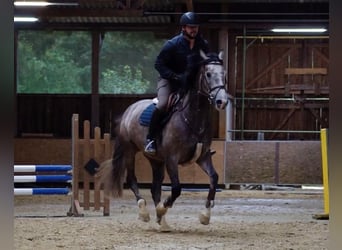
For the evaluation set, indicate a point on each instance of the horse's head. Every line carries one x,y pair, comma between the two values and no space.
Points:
212,80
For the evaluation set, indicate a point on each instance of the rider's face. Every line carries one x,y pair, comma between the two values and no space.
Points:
191,31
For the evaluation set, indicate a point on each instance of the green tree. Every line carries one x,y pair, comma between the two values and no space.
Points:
60,62
54,62
127,62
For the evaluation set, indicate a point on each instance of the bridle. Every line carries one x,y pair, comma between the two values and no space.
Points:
204,89
204,86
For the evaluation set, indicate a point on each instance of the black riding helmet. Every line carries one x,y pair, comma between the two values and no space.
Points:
189,18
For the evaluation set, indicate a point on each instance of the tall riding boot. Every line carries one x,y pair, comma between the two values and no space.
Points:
155,123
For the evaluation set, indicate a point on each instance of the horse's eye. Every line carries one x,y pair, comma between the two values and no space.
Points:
208,74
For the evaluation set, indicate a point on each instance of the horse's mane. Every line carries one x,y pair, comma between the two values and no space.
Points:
196,61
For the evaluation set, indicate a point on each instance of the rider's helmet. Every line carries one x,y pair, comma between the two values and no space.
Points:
189,18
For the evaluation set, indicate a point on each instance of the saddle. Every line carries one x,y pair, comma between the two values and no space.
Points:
146,115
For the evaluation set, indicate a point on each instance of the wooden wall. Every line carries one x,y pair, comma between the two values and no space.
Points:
276,162
283,65
50,115
285,86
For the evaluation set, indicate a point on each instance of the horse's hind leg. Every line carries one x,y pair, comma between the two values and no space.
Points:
158,170
162,207
131,180
207,166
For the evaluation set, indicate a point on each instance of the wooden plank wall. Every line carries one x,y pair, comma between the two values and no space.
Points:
49,115
273,162
191,174
275,68
299,162
267,61
295,69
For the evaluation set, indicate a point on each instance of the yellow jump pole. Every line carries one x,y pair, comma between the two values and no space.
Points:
324,150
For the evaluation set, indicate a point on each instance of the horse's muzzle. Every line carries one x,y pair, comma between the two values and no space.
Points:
220,104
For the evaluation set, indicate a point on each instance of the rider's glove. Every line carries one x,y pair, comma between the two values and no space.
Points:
181,78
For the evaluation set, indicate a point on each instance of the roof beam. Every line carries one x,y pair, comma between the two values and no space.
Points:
189,5
76,12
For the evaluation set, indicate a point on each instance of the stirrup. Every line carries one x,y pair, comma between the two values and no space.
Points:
150,147
212,151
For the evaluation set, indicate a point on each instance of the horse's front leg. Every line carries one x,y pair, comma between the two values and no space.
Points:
206,164
162,207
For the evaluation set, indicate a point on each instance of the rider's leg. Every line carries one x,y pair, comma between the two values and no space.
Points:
158,114
156,119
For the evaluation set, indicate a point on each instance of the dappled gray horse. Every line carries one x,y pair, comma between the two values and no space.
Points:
185,139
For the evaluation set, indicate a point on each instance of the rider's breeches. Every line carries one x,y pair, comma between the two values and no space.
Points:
163,93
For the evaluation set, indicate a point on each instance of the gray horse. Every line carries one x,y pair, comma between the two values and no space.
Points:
186,138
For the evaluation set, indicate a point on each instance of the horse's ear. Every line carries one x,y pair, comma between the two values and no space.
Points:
203,55
220,55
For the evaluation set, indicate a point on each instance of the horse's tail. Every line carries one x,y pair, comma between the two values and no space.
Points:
112,172
116,125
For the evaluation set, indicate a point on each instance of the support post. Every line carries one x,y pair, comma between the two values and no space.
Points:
75,208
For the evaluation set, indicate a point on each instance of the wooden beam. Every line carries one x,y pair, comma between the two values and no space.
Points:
261,105
321,121
292,88
321,55
306,71
272,105
291,112
95,99
77,12
189,5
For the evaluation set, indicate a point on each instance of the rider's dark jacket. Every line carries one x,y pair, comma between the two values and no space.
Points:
173,57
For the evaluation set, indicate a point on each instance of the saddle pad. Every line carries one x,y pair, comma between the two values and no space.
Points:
146,115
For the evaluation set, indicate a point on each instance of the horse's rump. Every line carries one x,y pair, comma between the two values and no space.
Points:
129,128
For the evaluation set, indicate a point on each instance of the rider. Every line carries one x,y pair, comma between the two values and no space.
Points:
171,63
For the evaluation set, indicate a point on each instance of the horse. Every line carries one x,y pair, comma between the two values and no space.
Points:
185,139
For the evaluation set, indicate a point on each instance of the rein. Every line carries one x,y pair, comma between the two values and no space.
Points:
203,89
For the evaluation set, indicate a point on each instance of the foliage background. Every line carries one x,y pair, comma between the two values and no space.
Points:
60,62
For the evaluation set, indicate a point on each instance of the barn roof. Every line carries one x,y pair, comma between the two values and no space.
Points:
87,13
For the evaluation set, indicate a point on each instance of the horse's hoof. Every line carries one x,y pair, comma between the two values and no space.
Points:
161,210
204,219
164,227
144,215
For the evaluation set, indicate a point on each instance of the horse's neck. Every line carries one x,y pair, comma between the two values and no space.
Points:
196,111
198,102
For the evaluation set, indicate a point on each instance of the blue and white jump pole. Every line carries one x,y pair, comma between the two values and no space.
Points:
41,168
65,176
41,191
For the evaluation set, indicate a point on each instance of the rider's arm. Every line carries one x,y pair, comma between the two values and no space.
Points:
165,58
